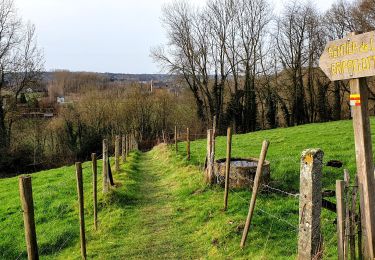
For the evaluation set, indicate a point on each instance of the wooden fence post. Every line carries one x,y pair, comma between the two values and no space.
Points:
188,143
117,153
95,188
214,126
127,145
123,149
131,142
81,209
258,174
352,215
175,138
227,166
27,203
347,198
213,140
365,165
209,162
310,204
105,166
340,209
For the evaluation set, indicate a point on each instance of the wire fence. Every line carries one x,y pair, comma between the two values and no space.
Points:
55,211
58,228
288,220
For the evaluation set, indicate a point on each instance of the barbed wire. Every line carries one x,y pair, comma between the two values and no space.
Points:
269,214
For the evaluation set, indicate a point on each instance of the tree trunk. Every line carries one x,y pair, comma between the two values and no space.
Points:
249,111
3,132
336,109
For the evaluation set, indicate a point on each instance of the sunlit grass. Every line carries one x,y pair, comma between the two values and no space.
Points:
161,209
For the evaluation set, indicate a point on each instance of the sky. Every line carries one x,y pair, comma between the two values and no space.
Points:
103,35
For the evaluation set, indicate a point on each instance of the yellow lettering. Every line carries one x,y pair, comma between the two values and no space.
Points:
350,66
333,69
330,51
366,63
339,68
364,47
372,45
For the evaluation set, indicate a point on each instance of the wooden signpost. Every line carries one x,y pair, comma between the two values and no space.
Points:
354,58
349,58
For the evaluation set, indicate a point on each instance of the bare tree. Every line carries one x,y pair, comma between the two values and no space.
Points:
293,46
208,45
21,63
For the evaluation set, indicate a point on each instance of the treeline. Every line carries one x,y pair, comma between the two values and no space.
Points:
253,69
93,109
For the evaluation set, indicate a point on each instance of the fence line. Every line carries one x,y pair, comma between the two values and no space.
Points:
55,214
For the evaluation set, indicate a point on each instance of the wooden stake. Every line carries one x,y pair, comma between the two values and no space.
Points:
163,134
214,126
213,140
127,145
365,166
27,203
347,213
130,143
209,162
352,216
81,209
123,149
175,138
340,202
258,175
188,143
117,153
105,167
227,167
95,188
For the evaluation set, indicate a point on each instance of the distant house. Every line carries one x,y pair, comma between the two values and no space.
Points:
60,100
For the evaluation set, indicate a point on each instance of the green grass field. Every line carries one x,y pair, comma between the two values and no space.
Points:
161,209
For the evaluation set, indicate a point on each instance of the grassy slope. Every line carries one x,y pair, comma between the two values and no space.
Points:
161,209
56,211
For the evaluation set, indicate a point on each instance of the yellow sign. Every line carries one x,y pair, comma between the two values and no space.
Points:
351,57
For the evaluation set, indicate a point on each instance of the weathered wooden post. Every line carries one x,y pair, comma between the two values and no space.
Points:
117,153
209,167
342,60
310,204
163,134
123,149
227,166
127,145
130,143
340,209
105,167
95,188
81,209
175,138
258,175
27,203
365,166
213,139
347,198
352,214
188,143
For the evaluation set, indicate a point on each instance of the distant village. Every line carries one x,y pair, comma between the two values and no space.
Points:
44,100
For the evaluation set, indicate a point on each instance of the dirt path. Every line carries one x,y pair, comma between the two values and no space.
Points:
155,225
